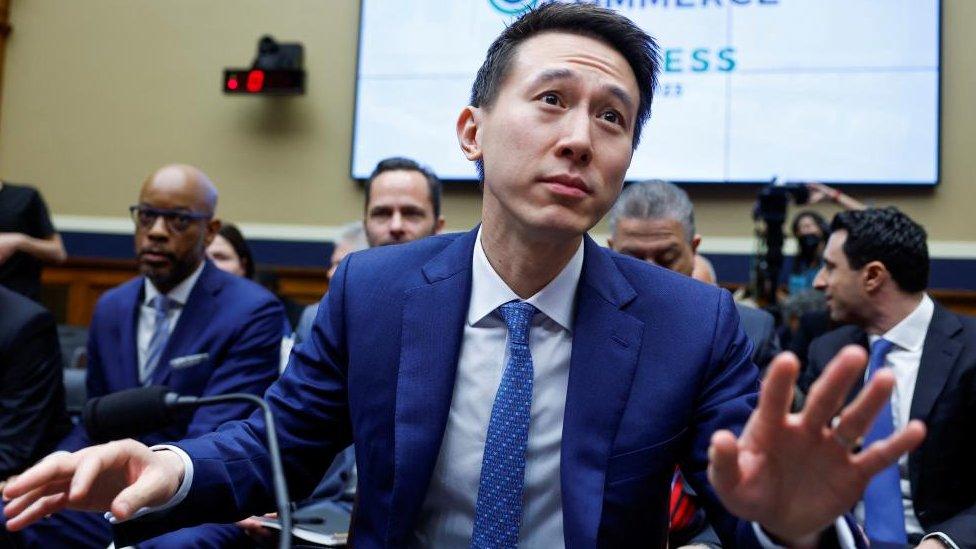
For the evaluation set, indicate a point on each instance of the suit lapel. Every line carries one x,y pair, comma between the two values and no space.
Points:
197,313
939,354
606,346
432,330
128,336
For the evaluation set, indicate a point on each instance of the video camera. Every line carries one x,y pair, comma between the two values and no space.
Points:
771,205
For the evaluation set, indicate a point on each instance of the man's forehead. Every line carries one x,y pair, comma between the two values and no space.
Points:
545,52
400,185
664,227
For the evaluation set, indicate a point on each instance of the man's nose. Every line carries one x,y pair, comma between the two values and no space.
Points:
577,143
820,281
396,223
158,229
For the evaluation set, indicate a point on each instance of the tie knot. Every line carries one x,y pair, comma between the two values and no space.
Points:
162,304
879,350
518,315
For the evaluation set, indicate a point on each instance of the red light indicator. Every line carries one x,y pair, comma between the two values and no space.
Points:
232,83
255,81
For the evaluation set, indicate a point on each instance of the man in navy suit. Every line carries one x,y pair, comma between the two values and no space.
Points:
519,384
876,267
184,324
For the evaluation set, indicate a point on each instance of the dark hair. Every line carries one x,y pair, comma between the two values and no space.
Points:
236,240
607,26
400,163
816,217
888,236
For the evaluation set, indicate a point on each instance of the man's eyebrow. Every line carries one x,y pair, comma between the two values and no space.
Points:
566,74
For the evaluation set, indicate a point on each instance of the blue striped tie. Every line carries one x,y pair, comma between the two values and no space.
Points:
884,514
498,511
161,306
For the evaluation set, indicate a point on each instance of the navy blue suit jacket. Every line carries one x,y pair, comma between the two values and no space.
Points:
227,340
658,364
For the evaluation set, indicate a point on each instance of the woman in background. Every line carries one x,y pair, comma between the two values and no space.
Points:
230,252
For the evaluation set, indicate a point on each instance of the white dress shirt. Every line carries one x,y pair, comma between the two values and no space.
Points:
447,514
147,314
904,358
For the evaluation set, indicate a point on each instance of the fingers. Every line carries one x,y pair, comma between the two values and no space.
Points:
85,475
723,458
17,505
855,419
883,453
150,489
54,467
828,393
776,394
37,510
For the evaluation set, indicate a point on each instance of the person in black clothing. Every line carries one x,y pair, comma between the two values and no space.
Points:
27,239
32,414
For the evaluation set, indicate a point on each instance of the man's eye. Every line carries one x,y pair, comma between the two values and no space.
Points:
613,117
550,99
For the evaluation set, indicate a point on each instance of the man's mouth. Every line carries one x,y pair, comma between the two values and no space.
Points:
155,256
567,185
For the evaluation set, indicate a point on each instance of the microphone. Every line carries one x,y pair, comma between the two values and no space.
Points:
134,412
129,413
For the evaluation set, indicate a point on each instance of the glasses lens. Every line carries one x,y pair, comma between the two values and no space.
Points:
178,222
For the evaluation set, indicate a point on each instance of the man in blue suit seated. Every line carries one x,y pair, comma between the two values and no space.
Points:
519,384
183,323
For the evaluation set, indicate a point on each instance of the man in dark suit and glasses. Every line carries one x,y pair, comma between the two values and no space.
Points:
518,384
876,267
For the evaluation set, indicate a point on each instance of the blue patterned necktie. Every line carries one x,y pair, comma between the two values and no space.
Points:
498,511
884,515
161,306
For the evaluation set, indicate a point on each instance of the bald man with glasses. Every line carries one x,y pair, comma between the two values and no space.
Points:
183,323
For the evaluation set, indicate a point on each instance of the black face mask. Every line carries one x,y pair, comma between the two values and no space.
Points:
808,245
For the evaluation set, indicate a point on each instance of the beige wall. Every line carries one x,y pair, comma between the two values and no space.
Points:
98,93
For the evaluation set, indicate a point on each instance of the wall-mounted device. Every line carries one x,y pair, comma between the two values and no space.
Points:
278,69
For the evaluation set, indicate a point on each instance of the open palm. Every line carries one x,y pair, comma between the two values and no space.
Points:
795,473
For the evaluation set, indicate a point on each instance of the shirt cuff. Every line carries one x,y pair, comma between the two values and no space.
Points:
946,540
180,494
845,537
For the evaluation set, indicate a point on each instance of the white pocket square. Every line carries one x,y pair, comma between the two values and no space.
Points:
188,360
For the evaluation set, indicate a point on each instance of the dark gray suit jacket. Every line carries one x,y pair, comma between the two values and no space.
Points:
760,327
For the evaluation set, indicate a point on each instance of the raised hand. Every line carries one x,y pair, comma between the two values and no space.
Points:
795,474
121,477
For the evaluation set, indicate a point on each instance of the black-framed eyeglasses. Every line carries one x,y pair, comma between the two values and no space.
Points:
176,221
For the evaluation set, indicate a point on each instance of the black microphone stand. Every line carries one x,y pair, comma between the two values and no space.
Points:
277,471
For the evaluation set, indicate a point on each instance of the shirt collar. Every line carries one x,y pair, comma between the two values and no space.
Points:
180,293
556,300
909,334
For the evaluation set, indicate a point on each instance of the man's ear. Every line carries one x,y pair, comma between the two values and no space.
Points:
874,275
213,227
695,242
439,225
468,124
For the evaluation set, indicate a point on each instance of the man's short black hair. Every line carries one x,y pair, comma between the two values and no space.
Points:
401,163
607,26
888,236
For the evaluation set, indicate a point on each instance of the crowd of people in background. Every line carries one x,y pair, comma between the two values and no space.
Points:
196,321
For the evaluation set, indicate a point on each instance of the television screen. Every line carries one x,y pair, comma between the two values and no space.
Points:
840,91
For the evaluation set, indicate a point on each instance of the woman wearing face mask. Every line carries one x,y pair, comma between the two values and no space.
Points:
810,230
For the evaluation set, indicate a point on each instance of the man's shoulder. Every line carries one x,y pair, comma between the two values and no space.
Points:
232,289
19,311
829,343
398,262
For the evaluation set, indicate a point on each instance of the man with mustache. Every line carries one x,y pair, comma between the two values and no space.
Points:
183,323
